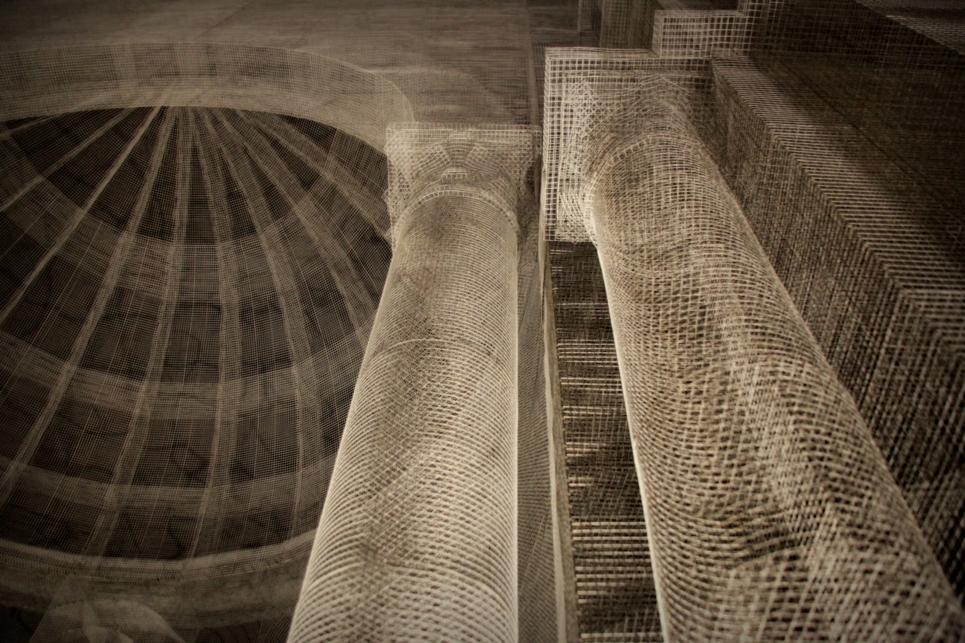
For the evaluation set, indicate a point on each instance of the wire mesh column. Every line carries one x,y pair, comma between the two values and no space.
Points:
417,540
771,511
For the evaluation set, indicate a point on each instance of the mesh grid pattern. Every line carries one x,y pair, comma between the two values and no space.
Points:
901,89
185,290
48,82
751,454
186,297
564,68
859,253
614,588
686,33
622,23
418,534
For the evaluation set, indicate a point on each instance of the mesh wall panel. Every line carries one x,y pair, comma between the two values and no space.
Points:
691,33
872,261
900,88
770,509
894,73
938,20
613,579
622,24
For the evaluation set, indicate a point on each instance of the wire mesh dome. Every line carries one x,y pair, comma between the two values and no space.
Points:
185,296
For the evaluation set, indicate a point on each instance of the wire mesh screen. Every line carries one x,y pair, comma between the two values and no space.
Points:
428,440
869,258
565,73
187,293
771,511
851,112
419,533
48,82
829,139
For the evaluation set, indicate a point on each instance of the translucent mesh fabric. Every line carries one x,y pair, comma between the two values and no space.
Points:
582,83
771,511
851,111
861,242
613,589
613,585
418,531
674,28
622,23
41,82
899,87
872,262
938,20
186,296
214,489
418,536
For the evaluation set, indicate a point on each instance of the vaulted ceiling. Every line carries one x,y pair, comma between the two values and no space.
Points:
186,295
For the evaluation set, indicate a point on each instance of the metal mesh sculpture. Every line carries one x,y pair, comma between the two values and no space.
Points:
869,243
614,598
418,535
187,295
188,290
770,508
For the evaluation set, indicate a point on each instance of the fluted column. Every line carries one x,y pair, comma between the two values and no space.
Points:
417,539
771,511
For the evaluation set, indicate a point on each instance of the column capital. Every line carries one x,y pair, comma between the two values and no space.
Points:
426,161
596,102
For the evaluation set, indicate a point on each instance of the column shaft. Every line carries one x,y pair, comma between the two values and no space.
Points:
417,539
771,511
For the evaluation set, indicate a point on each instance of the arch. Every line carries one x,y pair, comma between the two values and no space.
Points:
266,79
49,82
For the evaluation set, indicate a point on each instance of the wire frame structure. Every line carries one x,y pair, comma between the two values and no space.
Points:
418,535
871,262
769,507
48,82
255,166
187,295
190,267
847,119
613,592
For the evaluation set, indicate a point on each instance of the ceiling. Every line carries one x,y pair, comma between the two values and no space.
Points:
186,295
